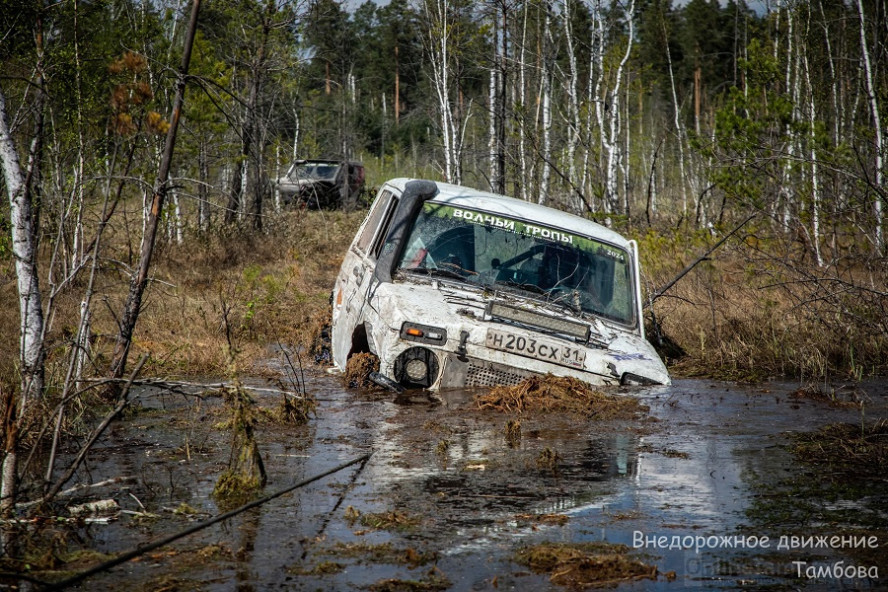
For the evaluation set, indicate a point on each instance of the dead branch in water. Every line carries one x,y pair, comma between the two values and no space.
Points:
122,401
124,557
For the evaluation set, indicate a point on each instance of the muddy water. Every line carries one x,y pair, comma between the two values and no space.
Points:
709,462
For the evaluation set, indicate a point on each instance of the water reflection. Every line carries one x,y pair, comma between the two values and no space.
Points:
711,462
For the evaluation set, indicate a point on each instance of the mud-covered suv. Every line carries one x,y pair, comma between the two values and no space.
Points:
321,184
453,287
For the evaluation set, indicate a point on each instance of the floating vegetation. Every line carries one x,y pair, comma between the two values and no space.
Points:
547,460
320,569
513,433
550,519
358,370
545,394
296,409
394,520
438,427
584,565
433,581
844,451
351,515
834,397
442,448
672,453
383,553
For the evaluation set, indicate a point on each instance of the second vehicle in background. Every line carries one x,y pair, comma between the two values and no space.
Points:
321,184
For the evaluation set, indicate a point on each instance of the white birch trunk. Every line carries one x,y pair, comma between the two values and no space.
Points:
24,243
837,122
612,142
522,96
546,104
815,173
491,143
573,105
178,224
792,82
679,128
877,121
438,12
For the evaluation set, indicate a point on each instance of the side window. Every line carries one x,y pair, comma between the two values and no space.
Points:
380,207
379,241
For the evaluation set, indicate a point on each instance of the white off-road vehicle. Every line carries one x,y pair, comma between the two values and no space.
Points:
454,287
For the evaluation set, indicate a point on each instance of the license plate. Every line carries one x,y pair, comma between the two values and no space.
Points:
538,349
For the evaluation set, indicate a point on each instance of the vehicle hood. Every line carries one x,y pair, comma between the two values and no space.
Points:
448,306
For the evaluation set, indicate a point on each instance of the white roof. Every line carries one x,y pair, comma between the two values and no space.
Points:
469,198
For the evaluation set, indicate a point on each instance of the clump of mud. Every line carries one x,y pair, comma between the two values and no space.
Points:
585,565
846,451
359,368
543,394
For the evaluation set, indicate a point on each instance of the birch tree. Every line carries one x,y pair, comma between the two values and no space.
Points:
877,122
24,251
441,43
612,138
573,117
544,99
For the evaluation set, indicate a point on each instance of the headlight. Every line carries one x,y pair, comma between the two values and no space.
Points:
423,333
416,367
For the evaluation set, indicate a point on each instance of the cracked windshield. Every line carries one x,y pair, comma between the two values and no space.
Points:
557,266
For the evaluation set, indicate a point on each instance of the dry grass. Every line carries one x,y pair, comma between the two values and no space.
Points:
546,394
394,520
233,291
757,310
358,370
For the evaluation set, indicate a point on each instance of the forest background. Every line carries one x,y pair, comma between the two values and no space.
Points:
676,125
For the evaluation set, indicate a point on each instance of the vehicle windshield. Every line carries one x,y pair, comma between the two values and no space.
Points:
314,170
577,272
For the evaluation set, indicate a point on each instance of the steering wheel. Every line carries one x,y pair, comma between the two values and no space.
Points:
576,298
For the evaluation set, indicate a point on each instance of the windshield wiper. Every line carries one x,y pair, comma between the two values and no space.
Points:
533,288
437,272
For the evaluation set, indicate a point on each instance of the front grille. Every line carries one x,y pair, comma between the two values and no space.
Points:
500,311
489,376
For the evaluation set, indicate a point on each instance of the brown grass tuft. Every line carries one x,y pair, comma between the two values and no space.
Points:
583,565
544,394
358,369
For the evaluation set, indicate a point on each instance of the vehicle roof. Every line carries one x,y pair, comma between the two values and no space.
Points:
326,161
469,198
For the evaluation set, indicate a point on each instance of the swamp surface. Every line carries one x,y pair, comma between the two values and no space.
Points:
457,498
